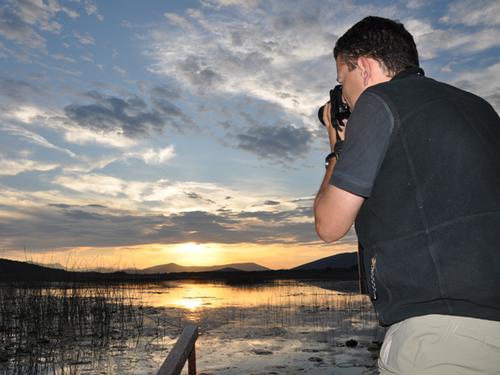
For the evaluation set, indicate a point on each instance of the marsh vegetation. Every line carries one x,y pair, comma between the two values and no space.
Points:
61,328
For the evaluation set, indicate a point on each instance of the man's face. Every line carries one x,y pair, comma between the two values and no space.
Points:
351,81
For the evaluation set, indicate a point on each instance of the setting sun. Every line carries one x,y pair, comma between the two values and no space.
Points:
191,248
194,254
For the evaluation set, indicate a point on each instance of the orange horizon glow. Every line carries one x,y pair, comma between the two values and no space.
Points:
184,254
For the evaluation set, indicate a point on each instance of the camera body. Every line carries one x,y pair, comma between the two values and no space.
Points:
339,110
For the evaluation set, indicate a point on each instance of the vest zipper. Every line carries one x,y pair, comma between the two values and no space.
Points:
372,277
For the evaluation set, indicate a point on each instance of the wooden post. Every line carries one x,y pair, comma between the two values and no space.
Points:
192,362
183,350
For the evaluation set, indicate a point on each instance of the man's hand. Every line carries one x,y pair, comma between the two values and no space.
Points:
327,120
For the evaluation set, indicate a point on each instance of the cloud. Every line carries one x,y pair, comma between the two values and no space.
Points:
40,13
245,53
199,73
129,117
13,27
119,70
177,20
95,209
25,113
34,138
225,3
91,9
12,167
165,92
83,136
417,4
271,203
93,184
62,57
22,21
451,41
154,156
229,52
163,196
483,82
473,13
279,142
85,39
18,91
166,107
63,225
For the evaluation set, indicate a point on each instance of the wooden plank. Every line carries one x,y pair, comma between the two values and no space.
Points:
192,362
182,350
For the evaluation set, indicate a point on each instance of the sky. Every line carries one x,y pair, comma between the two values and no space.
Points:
140,133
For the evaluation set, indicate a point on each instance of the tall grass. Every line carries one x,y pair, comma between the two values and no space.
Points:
47,328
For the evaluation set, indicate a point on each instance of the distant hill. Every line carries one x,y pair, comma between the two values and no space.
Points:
11,269
58,266
173,267
14,271
344,260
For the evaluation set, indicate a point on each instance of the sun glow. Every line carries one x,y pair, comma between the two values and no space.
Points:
190,303
191,248
194,254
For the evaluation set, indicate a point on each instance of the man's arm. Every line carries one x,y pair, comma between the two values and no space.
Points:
334,209
340,198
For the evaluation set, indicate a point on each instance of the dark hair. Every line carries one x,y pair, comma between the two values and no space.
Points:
382,39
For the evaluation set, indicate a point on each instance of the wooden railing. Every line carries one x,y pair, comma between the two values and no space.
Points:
183,350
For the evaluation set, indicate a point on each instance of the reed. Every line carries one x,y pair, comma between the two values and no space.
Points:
52,328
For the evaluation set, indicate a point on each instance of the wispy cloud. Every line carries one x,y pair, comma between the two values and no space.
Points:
84,39
23,21
91,9
34,138
473,13
484,82
84,136
452,41
14,28
154,156
12,167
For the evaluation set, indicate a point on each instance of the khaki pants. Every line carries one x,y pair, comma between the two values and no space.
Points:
441,345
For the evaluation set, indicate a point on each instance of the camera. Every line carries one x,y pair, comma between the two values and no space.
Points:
338,110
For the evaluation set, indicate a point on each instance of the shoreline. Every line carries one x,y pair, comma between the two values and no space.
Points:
20,272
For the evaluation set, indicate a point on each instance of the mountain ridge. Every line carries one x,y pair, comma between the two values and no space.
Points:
174,267
343,260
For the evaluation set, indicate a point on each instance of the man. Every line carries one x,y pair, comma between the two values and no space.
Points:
419,174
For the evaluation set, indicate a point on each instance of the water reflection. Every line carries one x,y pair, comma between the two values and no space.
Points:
139,323
195,295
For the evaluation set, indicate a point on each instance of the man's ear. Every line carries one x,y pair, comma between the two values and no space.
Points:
365,68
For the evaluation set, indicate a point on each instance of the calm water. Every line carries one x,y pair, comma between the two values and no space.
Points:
301,326
192,295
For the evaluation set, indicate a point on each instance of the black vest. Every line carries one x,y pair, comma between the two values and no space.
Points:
430,231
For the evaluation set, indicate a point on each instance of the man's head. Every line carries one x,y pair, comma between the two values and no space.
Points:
382,39
372,51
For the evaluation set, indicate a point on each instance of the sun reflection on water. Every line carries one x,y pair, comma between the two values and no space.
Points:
189,303
194,296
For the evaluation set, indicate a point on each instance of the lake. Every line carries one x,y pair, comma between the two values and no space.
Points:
279,327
